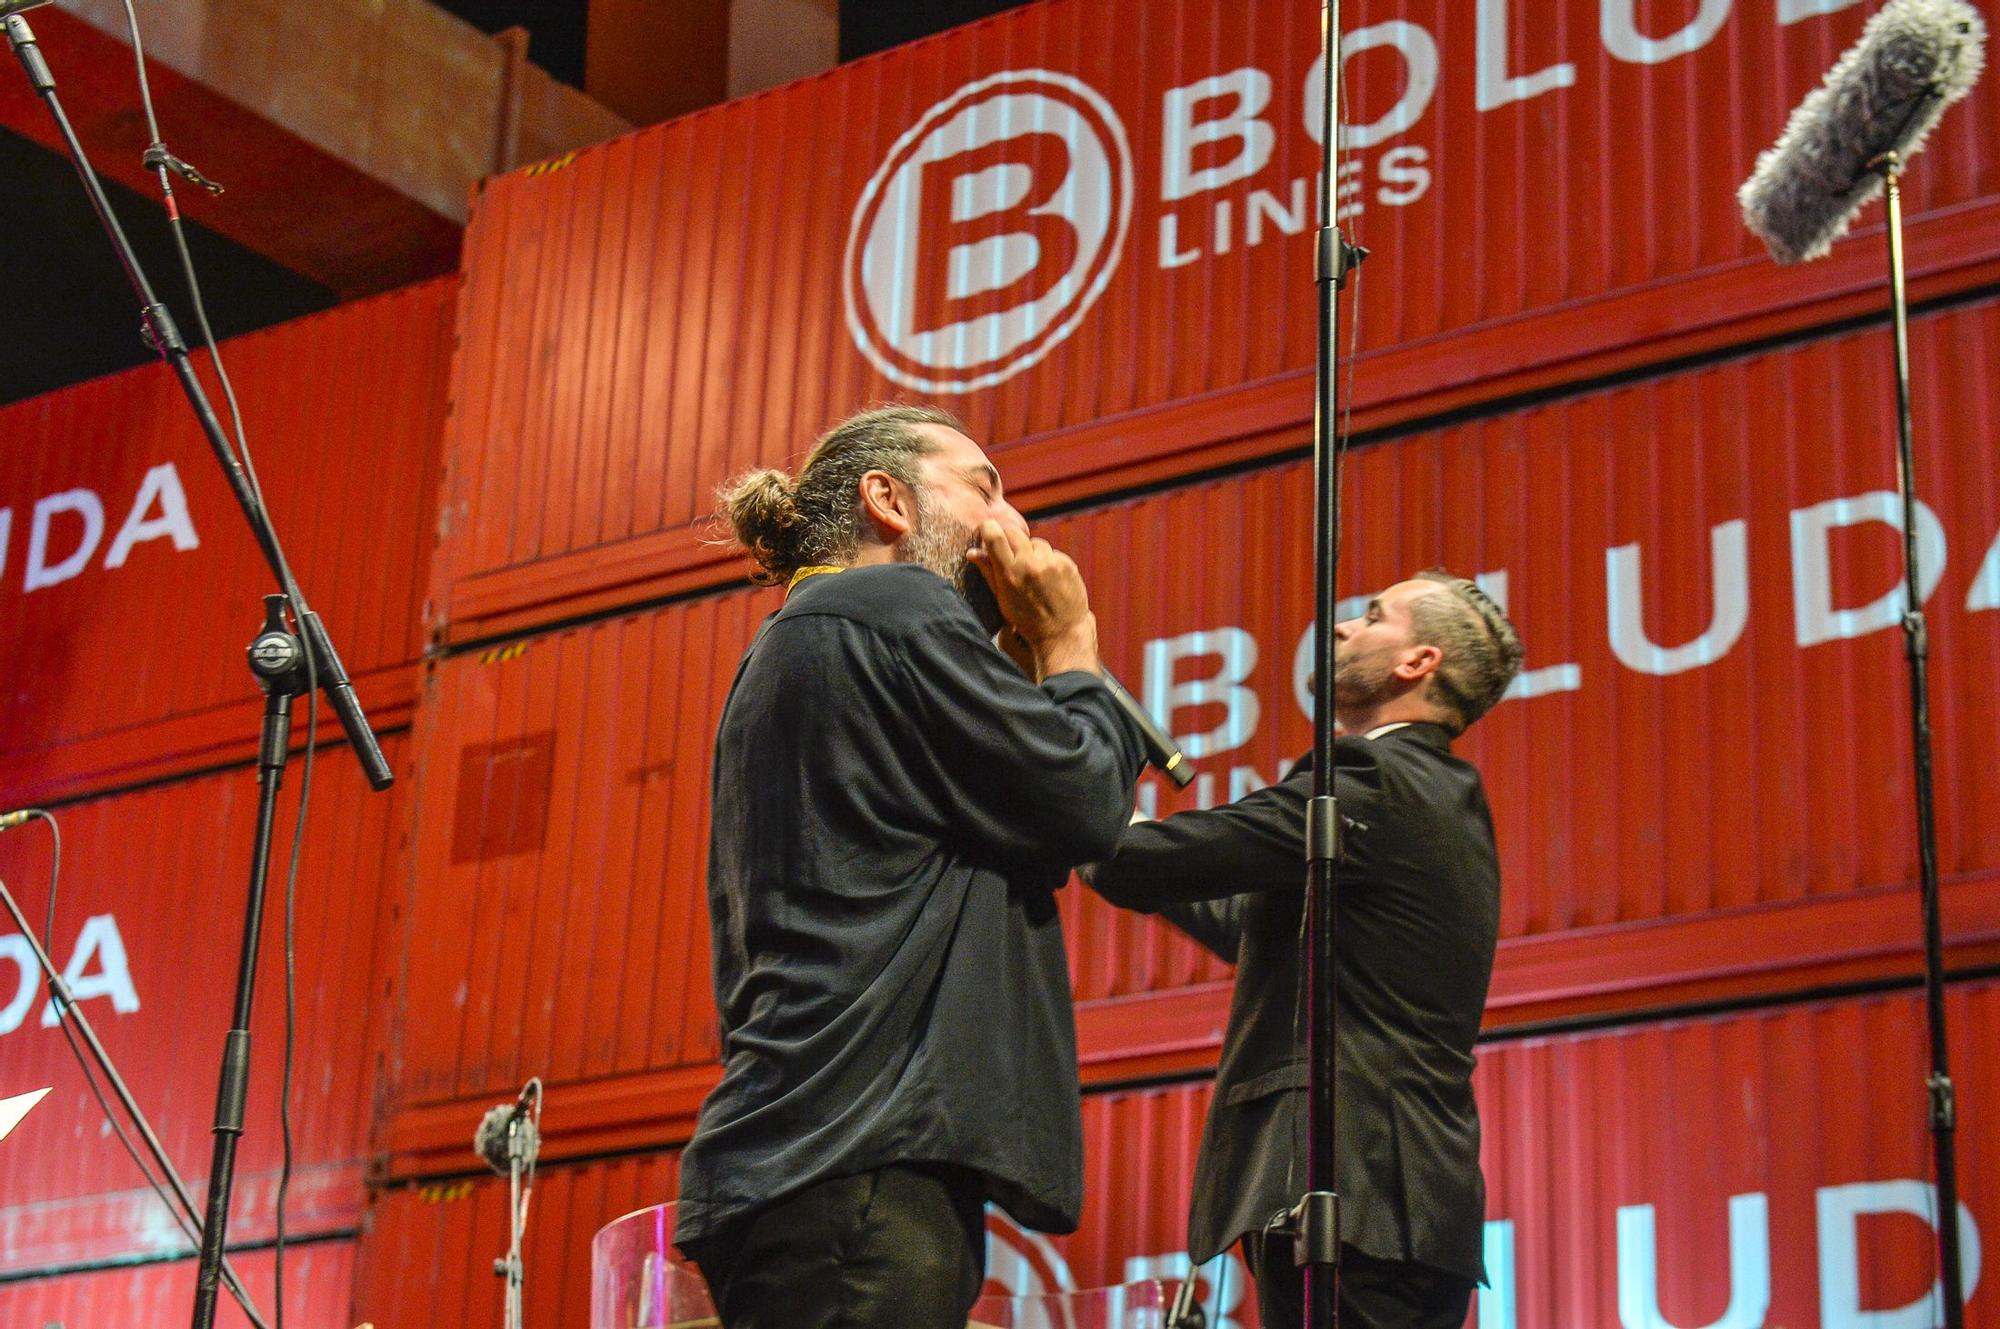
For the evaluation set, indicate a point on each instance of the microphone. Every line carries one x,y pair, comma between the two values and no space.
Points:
1914,59
1160,749
507,1137
9,820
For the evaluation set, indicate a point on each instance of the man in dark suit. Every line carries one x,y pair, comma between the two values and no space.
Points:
1419,884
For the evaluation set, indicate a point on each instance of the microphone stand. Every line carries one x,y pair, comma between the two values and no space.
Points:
1315,1222
67,1009
1916,640
281,661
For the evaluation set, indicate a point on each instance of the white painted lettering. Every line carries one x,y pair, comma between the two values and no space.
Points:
1749,1266
1496,1299
162,485
98,941
1985,592
85,504
1496,86
1729,573
1812,578
1171,253
1794,11
1264,206
1249,92
1236,654
1405,174
14,946
1224,210
1840,1256
1618,23
1420,60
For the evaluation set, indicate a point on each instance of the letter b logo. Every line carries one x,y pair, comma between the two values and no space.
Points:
993,226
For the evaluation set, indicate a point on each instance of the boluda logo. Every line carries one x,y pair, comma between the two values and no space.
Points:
989,232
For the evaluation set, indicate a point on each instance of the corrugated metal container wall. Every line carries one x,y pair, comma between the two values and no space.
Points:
1681,790
147,928
319,1288
129,578
1678,1168
443,1239
1072,213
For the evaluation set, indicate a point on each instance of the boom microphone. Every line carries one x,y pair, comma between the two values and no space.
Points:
1914,59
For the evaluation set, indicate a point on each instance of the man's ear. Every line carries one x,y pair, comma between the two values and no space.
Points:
1419,663
889,504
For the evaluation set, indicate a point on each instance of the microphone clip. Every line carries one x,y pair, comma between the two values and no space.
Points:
159,158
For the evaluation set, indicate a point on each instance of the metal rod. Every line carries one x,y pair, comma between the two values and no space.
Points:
164,336
1939,1091
233,1091
1318,1216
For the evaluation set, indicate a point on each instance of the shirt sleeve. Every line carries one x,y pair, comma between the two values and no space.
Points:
1254,844
1215,925
1042,774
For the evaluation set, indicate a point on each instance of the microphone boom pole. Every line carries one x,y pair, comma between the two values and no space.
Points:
1850,137
1916,642
1316,1220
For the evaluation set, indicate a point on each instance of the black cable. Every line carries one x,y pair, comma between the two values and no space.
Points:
160,159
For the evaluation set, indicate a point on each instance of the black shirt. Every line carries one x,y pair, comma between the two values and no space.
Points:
894,808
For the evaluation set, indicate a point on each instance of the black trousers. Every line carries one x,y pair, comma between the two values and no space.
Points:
1374,1294
896,1248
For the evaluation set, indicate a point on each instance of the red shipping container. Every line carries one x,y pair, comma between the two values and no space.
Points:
1089,230
1765,1167
319,1288
148,925
130,585
1702,786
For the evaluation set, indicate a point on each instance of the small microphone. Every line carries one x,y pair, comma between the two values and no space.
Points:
9,820
1160,749
507,1136
1914,59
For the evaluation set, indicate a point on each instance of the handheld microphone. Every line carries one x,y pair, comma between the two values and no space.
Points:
1914,59
1160,749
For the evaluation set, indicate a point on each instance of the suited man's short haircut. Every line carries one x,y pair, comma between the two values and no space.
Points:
1482,652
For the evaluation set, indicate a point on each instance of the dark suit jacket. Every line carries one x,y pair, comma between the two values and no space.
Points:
1417,920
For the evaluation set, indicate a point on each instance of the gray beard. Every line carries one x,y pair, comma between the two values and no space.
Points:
939,543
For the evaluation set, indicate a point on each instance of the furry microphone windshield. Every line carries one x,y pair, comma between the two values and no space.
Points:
1915,58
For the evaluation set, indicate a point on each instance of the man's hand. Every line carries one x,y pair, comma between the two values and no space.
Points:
1042,595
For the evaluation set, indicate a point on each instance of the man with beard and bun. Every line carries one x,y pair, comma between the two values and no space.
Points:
1418,917
895,803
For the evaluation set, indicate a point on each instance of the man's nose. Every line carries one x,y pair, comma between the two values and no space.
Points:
1009,516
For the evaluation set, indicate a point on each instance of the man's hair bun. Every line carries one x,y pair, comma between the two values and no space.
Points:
763,508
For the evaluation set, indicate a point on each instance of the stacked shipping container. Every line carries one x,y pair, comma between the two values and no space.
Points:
130,587
1679,822
1085,226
